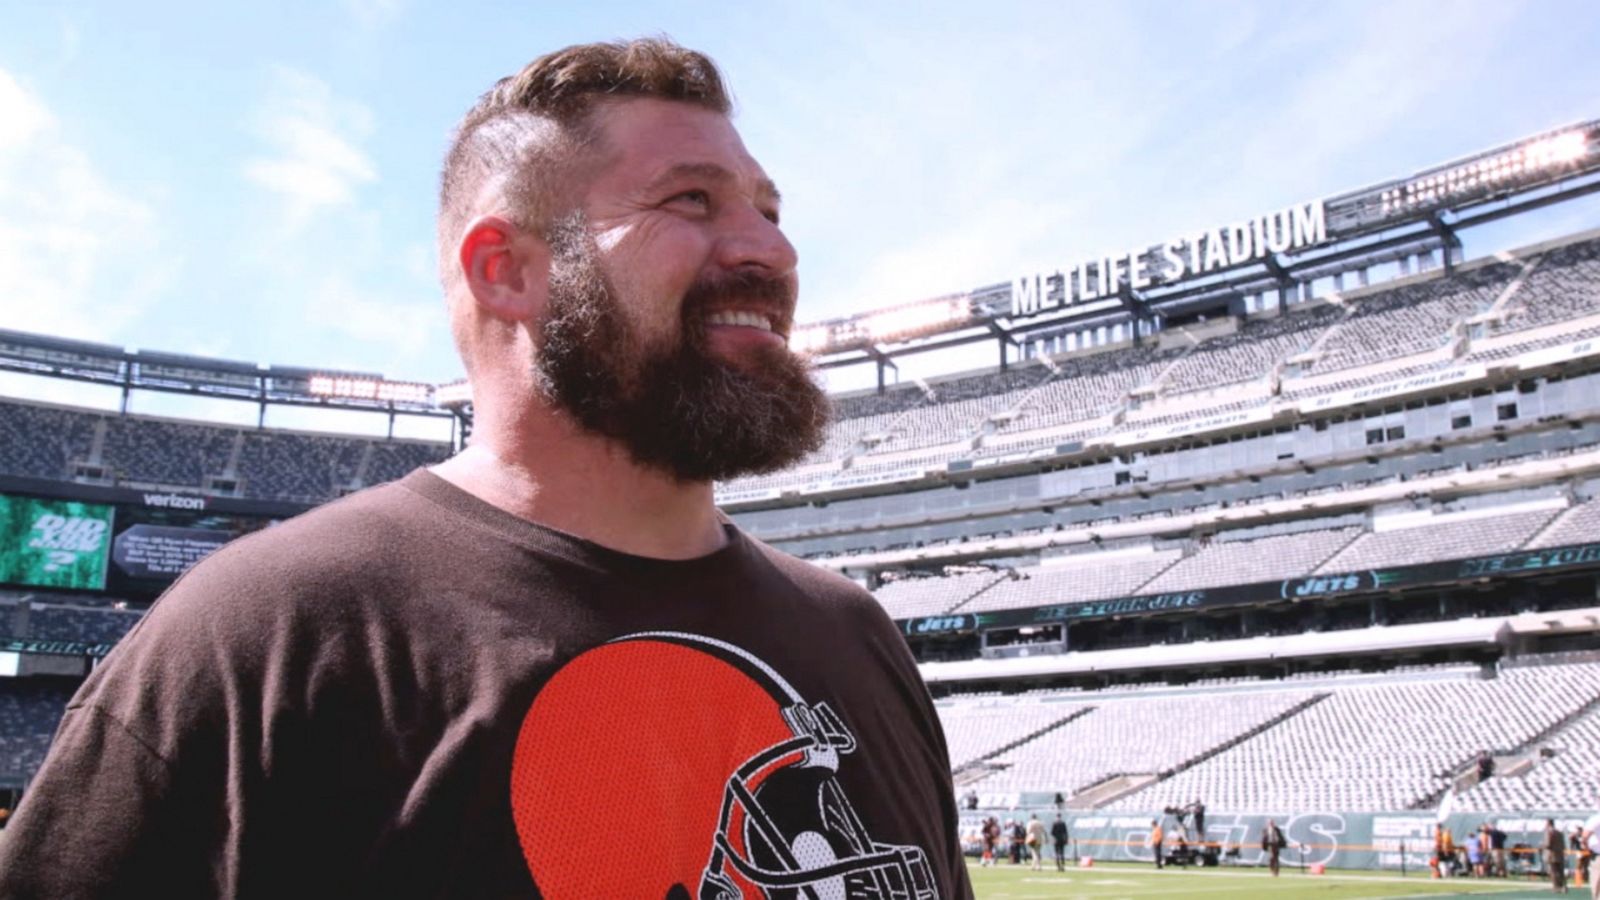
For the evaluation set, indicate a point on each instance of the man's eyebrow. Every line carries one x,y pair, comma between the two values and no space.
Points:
765,188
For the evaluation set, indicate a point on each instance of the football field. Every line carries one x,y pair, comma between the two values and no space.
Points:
1007,882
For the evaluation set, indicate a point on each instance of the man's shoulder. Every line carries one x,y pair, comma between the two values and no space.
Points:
813,579
826,592
304,586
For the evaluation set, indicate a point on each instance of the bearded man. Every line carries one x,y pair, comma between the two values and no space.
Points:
416,691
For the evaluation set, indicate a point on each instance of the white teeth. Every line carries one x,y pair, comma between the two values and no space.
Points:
740,317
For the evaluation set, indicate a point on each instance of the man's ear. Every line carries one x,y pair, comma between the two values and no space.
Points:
507,270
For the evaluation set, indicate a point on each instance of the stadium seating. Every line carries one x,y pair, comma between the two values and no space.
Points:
1564,285
89,620
1425,540
42,441
1326,741
46,442
914,597
151,451
1077,579
1242,556
1250,353
1565,774
1242,561
976,728
1133,736
30,710
1395,744
1374,335
1580,524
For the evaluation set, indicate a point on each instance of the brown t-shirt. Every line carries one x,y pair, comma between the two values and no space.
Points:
411,693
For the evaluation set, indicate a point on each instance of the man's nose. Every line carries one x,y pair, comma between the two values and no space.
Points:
753,240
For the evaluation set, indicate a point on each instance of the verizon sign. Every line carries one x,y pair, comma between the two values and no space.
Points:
174,501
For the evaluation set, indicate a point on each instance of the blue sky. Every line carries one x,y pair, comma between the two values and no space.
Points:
256,181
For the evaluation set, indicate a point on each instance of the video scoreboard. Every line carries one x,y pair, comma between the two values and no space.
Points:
131,548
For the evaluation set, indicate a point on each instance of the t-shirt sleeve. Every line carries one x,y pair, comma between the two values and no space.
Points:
104,817
143,791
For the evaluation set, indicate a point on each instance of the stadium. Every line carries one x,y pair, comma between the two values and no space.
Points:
1293,516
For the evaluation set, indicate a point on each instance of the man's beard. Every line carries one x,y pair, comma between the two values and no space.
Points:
671,404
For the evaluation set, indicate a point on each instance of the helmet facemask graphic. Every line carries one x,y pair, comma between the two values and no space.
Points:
800,835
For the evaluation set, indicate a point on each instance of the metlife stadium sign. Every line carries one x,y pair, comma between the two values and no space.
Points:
1540,161
1283,231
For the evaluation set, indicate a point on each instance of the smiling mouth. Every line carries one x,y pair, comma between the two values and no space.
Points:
741,318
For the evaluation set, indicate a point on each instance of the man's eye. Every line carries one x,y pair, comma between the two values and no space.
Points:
696,197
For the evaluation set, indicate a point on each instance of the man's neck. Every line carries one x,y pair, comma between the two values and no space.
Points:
591,488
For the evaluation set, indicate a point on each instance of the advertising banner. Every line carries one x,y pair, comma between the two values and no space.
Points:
1336,840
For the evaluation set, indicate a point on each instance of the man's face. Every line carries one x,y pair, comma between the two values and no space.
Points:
671,296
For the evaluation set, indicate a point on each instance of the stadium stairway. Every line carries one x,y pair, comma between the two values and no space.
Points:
231,470
97,444
360,476
988,586
1509,763
1557,522
980,768
1542,736
1503,299
1113,788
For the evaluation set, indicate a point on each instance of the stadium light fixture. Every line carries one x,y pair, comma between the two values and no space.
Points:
892,323
809,338
370,389
454,393
1501,171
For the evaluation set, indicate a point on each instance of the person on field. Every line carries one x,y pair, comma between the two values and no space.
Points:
1035,841
1554,845
1058,834
1272,844
1589,838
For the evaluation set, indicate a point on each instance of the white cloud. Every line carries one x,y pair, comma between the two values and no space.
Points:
313,160
22,117
372,14
79,255
403,328
71,40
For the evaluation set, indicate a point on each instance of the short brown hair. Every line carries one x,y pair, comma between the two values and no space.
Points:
528,128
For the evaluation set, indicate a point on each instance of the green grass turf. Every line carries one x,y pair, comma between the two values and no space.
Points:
1110,881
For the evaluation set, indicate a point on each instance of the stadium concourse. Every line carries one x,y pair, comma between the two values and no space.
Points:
1303,542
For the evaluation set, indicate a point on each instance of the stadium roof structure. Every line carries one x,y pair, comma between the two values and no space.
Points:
147,370
1205,271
